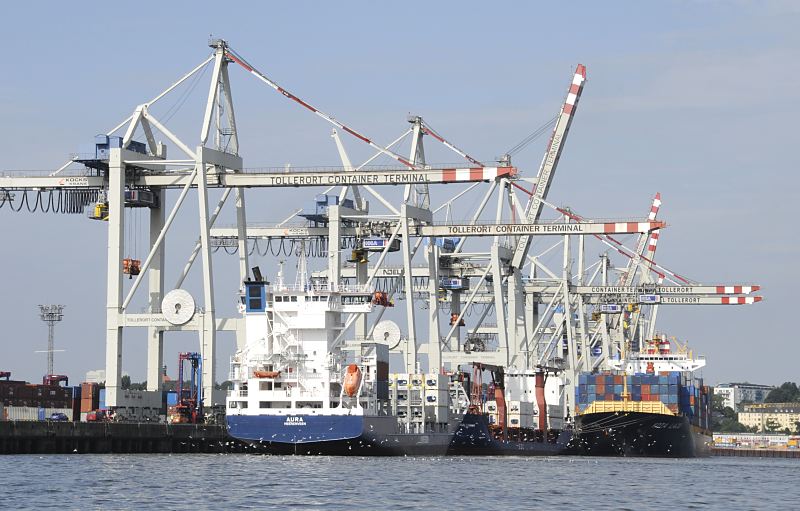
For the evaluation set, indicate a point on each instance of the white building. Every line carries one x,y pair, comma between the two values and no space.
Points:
737,393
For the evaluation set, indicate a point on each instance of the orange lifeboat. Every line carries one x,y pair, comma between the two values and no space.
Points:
352,380
266,374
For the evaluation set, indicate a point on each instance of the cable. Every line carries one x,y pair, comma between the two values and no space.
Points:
525,142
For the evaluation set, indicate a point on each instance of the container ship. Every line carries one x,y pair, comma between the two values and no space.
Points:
650,404
297,391
511,415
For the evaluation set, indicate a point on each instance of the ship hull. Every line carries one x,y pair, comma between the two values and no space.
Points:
378,436
335,435
638,434
475,438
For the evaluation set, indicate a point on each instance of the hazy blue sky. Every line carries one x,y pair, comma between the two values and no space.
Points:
697,100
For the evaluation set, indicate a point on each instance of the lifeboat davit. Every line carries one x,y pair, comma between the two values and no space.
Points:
352,380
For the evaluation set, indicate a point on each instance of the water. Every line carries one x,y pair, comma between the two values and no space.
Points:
195,481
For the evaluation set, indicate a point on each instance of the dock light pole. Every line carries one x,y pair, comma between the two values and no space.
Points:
51,314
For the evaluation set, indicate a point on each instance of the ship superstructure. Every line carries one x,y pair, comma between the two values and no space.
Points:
296,390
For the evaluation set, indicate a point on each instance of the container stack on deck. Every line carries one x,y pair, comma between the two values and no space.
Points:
681,394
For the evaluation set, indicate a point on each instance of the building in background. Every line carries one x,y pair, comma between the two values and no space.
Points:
96,376
756,441
737,394
771,416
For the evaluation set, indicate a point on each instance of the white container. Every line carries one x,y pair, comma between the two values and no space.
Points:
22,413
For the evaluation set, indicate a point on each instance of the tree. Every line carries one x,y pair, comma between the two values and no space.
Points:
786,393
728,425
126,382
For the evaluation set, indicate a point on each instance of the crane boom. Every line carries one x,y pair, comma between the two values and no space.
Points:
633,263
550,161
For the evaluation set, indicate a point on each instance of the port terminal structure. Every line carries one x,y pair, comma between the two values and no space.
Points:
576,316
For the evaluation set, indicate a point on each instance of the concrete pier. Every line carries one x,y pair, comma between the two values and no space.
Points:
756,453
48,437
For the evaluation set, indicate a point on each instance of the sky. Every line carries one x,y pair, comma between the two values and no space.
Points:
696,100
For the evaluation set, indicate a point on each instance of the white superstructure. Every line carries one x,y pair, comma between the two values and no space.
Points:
289,362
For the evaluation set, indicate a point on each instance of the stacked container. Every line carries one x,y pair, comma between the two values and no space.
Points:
678,391
437,398
90,398
520,414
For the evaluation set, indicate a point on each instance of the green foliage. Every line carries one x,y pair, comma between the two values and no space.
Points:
127,384
730,425
226,385
139,386
786,393
717,403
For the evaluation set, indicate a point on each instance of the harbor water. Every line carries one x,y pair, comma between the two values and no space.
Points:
210,481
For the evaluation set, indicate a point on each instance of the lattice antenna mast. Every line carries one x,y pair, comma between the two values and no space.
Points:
51,314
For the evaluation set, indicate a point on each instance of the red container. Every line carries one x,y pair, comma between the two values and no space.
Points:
601,389
618,379
90,390
645,389
609,397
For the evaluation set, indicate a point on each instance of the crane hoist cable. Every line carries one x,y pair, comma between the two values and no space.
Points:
525,142
69,202
181,100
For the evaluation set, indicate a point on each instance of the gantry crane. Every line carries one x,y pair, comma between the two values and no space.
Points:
538,320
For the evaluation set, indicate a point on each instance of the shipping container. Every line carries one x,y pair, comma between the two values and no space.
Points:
21,413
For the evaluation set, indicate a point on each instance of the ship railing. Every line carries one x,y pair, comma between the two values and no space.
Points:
237,393
322,288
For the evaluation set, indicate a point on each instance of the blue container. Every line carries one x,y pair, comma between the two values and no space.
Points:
663,380
583,379
102,399
592,389
590,398
618,389
41,414
172,398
